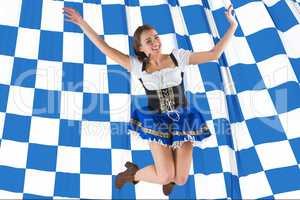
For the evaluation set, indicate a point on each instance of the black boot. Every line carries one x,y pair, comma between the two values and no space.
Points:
127,175
167,189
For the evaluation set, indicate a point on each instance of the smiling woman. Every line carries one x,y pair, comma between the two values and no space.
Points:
168,122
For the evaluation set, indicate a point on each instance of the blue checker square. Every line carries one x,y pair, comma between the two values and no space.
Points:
282,16
68,26
96,107
183,42
232,186
46,103
51,45
72,77
247,77
42,157
69,133
272,44
92,54
120,139
199,101
265,129
295,144
37,197
95,161
210,73
203,162
92,1
130,41
158,17
63,188
4,89
31,14
127,191
223,132
117,13
286,96
8,40
192,13
142,157
186,191
248,162
132,2
18,133
24,72
118,76
15,184
138,102
284,179
234,109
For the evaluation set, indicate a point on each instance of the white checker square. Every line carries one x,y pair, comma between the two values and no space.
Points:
95,134
275,155
49,10
119,107
217,104
256,103
152,3
253,17
44,131
49,75
238,51
229,87
255,186
290,123
119,42
228,160
71,105
288,195
178,21
134,18
193,80
10,12
291,41
168,42
94,186
92,14
270,3
202,42
13,154
2,118
68,159
210,186
121,156
78,1
95,79
10,195
73,47
137,143
39,182
109,2
27,43
144,190
189,3
6,69
276,70
215,5
20,100
241,136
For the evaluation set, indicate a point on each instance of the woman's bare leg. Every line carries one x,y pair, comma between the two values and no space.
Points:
163,170
183,158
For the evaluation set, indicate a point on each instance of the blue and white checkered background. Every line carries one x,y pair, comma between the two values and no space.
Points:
64,106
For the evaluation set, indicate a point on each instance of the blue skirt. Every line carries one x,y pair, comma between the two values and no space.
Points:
170,129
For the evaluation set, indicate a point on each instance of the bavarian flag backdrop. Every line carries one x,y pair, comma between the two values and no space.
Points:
64,106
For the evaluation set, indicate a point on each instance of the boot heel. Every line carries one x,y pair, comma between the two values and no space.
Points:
130,165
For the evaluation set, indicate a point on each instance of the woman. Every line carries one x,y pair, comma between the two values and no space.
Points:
168,123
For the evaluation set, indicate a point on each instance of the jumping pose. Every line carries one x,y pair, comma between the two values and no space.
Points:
168,122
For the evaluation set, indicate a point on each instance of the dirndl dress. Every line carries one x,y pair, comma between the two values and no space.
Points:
170,129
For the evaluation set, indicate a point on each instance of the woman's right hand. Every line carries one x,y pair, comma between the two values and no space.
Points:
72,15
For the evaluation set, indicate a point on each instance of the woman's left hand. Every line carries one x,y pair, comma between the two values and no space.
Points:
231,18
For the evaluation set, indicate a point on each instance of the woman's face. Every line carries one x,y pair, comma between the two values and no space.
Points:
150,43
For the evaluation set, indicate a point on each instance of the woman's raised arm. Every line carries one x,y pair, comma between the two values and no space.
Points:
112,53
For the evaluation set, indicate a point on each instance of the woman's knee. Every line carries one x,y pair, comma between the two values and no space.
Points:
167,174
181,180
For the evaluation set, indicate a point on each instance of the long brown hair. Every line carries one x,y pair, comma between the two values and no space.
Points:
137,42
